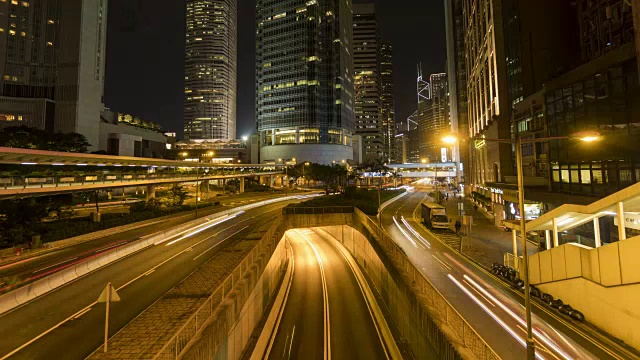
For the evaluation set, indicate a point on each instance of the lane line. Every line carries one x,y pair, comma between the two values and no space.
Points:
374,318
50,266
82,313
204,252
325,298
441,262
478,292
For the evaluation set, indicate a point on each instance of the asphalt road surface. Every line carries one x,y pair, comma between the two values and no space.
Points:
325,315
494,310
55,326
24,271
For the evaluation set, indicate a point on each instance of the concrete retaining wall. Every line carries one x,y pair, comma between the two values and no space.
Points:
226,335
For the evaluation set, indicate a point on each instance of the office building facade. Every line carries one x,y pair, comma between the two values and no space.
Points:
457,82
433,121
367,83
210,70
52,61
304,80
388,111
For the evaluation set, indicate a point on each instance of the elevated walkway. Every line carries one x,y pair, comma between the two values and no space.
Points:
600,279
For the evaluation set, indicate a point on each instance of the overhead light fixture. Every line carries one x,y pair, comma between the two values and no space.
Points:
28,163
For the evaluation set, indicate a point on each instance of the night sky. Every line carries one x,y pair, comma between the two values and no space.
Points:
145,56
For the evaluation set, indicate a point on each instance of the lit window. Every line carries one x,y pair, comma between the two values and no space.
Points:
49,43
22,33
25,4
12,32
14,2
49,21
1,30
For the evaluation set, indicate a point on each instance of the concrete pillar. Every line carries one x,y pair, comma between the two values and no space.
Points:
241,185
596,232
151,192
272,180
515,249
554,223
547,238
622,234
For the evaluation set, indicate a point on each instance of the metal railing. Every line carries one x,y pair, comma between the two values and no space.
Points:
176,345
429,294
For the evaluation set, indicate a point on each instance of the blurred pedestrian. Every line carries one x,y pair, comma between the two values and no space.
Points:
458,226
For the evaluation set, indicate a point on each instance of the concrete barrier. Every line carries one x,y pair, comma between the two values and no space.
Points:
40,287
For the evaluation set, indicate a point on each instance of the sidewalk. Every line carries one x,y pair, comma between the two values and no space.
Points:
487,242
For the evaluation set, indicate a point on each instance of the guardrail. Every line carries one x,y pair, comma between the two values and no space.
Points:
175,346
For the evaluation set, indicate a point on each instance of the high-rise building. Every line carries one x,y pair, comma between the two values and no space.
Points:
388,116
433,121
210,76
304,83
367,82
52,61
487,94
457,82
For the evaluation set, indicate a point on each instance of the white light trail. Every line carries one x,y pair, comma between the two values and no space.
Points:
414,232
404,233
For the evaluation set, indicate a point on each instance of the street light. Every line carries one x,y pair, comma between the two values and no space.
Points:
586,136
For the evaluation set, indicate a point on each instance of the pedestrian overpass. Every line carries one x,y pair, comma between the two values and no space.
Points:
43,173
421,171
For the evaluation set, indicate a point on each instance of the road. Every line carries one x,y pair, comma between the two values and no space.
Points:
325,314
24,271
71,326
492,309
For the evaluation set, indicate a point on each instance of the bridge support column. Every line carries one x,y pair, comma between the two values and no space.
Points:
151,192
206,184
241,190
272,181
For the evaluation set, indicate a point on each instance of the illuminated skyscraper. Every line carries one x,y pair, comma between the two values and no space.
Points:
52,62
387,102
368,89
210,75
304,82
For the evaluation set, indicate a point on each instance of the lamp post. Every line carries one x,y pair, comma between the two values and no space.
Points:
583,136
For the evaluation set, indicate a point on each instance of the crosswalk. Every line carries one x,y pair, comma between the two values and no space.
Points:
447,236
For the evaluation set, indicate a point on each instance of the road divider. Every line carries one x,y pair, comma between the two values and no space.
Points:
82,267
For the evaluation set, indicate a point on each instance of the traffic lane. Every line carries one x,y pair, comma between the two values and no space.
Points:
300,332
30,269
550,333
353,332
135,298
430,263
431,266
43,313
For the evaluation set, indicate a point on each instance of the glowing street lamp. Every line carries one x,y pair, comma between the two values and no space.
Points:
585,136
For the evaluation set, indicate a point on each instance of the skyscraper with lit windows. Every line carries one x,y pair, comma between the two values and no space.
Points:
304,80
210,75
